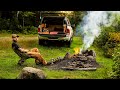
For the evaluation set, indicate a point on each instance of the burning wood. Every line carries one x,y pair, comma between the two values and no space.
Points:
86,60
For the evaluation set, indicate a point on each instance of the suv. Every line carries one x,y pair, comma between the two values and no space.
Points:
55,28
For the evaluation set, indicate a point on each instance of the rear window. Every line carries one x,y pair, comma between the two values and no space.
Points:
53,20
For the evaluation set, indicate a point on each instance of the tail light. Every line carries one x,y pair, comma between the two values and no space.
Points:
68,31
38,29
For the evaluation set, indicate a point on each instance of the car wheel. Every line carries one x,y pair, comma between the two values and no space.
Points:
69,43
40,42
45,42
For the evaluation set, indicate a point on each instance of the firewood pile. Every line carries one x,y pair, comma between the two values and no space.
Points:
86,60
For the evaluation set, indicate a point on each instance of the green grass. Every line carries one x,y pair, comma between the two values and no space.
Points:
10,70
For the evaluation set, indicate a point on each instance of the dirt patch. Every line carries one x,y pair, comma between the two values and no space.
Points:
84,61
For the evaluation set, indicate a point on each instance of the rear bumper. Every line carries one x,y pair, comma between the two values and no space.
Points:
54,39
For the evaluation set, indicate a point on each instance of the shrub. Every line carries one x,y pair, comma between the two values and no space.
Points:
4,24
116,65
102,39
109,37
33,30
29,30
111,44
108,40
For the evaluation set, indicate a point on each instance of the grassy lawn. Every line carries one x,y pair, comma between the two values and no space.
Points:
10,70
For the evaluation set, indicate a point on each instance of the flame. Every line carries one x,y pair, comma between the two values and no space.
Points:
77,50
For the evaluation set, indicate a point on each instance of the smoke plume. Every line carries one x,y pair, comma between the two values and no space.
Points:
89,28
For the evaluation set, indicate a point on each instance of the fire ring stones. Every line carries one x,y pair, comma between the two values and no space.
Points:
85,59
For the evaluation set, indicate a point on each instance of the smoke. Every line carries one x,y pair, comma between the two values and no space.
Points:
89,28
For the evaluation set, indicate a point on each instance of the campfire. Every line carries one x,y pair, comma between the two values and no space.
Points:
81,60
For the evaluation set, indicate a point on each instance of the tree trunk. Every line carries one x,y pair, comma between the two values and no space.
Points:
23,22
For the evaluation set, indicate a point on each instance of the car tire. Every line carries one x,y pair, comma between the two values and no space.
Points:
69,43
40,42
45,42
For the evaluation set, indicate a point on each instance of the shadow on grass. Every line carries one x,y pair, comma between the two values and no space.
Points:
54,44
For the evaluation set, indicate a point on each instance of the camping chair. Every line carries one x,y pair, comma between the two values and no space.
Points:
23,56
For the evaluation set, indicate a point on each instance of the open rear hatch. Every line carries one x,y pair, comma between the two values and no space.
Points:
52,27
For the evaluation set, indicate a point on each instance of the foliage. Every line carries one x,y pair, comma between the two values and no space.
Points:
102,39
108,42
13,21
75,18
109,38
111,44
22,21
116,66
29,30
4,23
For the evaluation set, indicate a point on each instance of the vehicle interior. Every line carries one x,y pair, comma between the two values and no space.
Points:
54,25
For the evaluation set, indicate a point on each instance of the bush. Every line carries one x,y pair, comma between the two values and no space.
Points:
111,44
29,30
108,40
102,39
33,30
116,65
4,24
109,37
26,30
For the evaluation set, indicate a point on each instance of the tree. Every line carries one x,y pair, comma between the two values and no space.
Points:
24,15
